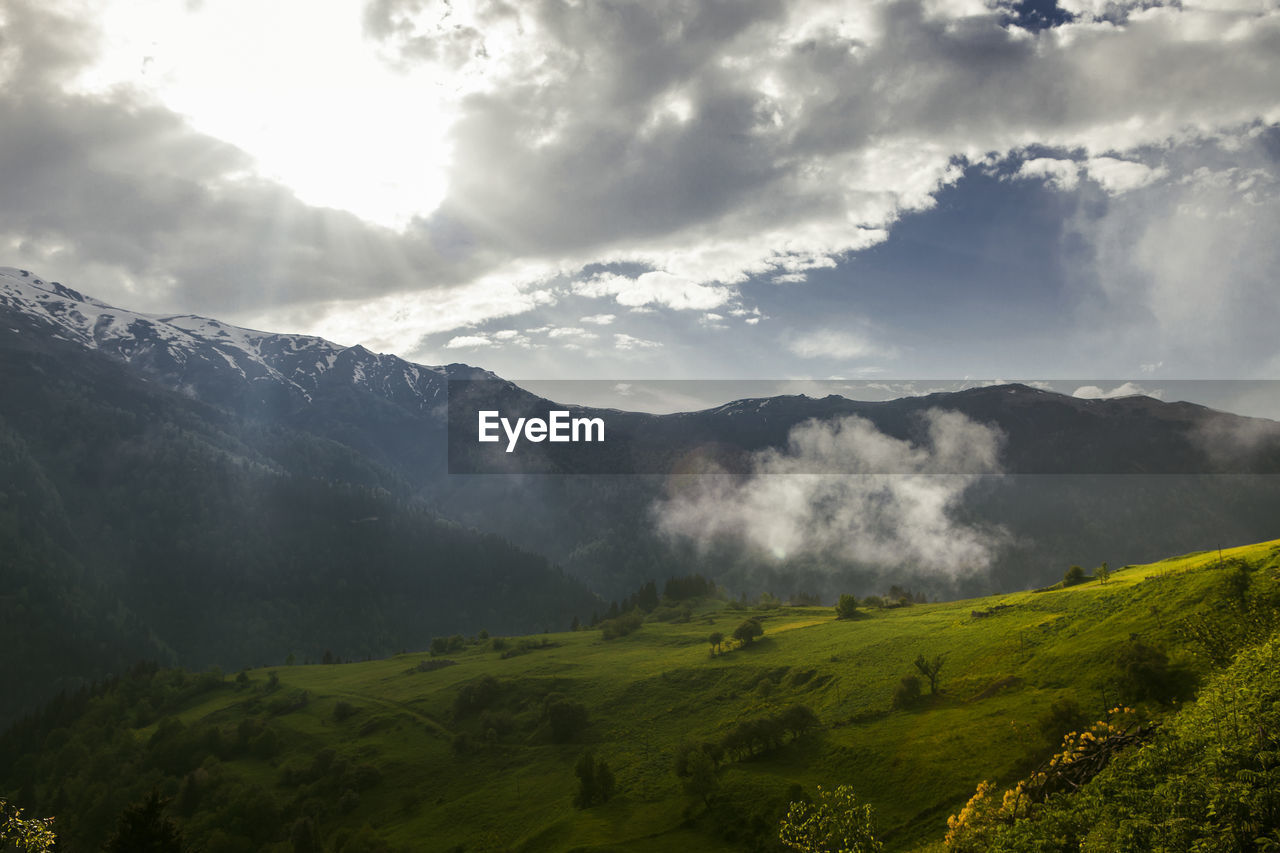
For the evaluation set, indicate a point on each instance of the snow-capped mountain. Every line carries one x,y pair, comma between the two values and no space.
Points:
217,361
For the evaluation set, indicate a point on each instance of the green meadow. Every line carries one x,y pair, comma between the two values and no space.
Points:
464,751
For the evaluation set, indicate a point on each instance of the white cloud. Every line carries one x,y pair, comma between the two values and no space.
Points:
838,344
468,342
627,342
878,501
599,319
1120,176
1063,174
1181,272
571,332
1128,389
655,288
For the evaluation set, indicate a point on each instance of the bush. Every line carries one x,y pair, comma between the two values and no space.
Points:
747,632
476,695
567,719
835,821
847,607
1073,576
612,629
907,693
595,781
1145,674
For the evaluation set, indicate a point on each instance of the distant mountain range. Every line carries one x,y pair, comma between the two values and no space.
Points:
175,486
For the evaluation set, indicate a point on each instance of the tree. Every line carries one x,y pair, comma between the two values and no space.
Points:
567,719
930,669
304,837
716,639
1073,576
1103,572
834,823
31,835
798,719
595,781
701,780
847,607
748,631
144,829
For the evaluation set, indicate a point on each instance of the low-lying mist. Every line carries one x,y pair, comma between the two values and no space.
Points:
880,502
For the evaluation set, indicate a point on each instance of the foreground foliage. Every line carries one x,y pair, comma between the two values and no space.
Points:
1208,781
31,835
835,822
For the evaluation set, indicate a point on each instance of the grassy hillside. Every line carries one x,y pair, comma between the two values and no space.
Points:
461,751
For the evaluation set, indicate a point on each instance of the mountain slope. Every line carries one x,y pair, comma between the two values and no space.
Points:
462,750
1191,473
137,522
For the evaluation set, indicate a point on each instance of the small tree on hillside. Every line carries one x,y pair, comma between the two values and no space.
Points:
748,631
595,781
700,781
144,829
930,668
847,607
716,640
1103,573
1073,576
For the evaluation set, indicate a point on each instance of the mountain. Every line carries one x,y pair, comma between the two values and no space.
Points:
201,493
141,520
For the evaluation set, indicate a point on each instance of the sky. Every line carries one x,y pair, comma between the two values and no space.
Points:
726,189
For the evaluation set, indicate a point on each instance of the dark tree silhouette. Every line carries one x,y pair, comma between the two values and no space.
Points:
144,829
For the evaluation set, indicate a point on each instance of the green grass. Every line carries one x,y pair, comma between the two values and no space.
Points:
649,691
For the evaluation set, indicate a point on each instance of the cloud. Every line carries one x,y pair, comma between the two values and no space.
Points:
1063,174
1128,389
885,502
698,145
1181,272
627,342
1119,176
572,332
837,344
468,342
655,288
599,319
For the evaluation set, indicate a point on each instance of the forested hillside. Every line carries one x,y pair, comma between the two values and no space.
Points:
692,722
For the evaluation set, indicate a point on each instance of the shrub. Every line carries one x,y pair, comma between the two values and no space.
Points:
847,607
612,629
567,719
835,821
747,632
595,781
907,693
476,695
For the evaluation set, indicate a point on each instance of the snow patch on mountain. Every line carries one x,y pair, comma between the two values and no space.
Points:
216,360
